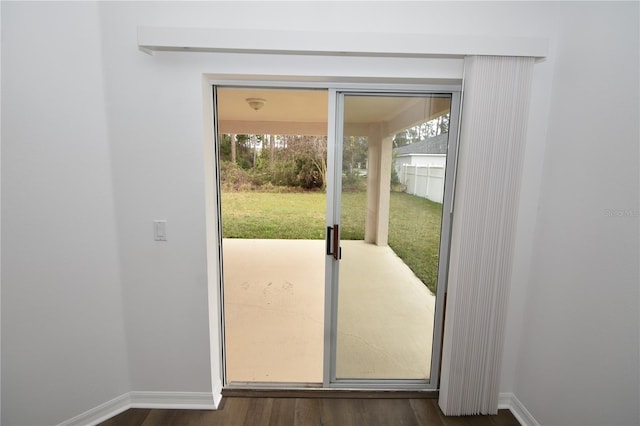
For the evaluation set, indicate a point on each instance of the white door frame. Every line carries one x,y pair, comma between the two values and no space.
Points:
334,150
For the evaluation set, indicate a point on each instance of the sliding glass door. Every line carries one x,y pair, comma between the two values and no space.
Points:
391,218
335,211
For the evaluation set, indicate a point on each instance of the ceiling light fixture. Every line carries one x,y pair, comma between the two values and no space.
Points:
255,103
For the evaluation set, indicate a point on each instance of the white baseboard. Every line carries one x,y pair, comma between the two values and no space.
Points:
519,411
217,395
100,413
173,400
137,399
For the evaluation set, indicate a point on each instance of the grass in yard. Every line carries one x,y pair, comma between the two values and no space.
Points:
273,216
288,215
414,222
414,234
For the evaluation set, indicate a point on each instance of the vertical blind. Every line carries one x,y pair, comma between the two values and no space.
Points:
496,96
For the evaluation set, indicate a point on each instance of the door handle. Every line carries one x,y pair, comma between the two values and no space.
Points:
333,247
329,229
336,242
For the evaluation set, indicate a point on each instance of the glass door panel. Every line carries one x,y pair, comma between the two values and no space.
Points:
272,152
393,161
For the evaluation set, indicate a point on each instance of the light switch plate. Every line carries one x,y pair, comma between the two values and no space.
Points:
160,230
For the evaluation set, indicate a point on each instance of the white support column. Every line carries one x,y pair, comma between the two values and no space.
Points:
378,189
384,191
373,174
490,156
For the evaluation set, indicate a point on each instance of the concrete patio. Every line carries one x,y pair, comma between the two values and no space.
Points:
274,313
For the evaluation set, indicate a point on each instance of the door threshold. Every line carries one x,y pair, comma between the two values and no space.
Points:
328,393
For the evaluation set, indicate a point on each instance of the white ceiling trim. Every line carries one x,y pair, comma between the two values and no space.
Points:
151,39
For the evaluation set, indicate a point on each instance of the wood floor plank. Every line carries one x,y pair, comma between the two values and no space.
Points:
427,412
233,411
477,420
238,411
340,412
397,412
163,417
134,416
282,411
449,420
200,417
505,418
454,421
308,412
259,411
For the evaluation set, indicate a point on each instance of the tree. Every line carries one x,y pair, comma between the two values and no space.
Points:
354,153
307,160
443,123
233,149
224,147
318,152
272,148
422,131
244,153
290,160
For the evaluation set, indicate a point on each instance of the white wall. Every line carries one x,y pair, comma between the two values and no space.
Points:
63,346
579,352
0,223
155,115
67,167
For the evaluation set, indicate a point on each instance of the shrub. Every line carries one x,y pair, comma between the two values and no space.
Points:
353,181
233,177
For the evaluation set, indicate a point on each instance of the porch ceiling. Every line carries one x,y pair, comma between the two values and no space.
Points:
305,112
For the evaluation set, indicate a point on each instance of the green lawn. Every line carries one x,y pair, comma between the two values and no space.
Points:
273,216
414,234
414,222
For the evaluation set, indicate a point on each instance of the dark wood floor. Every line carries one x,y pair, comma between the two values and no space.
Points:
310,411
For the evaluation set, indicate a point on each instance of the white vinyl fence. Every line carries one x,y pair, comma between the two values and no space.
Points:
423,181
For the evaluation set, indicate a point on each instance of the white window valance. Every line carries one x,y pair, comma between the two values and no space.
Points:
151,39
